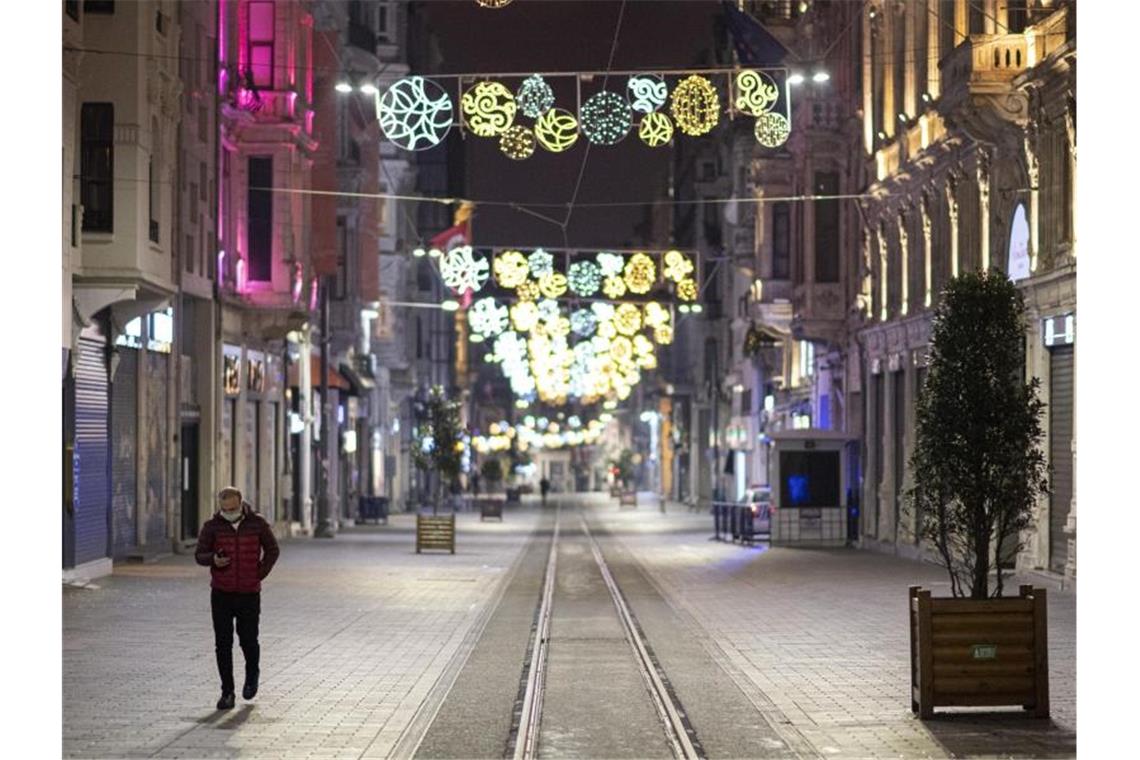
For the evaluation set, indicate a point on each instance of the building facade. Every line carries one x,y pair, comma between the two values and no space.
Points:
969,133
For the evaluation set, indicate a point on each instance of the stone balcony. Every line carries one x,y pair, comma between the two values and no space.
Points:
978,91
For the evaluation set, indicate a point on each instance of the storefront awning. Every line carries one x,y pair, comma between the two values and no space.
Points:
336,380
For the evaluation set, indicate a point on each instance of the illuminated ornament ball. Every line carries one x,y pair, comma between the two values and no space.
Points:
603,311
534,96
541,263
489,108
524,316
614,287
494,3
756,93
511,269
647,93
655,130
552,285
611,263
487,317
640,273
560,327
548,309
462,272
584,323
527,290
772,130
663,335
627,319
621,350
656,315
517,143
415,113
585,277
556,130
696,106
606,330
677,266
606,118
687,289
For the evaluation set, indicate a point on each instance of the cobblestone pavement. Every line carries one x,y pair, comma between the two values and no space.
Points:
355,633
818,638
361,639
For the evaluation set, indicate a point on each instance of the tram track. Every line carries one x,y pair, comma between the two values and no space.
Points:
526,736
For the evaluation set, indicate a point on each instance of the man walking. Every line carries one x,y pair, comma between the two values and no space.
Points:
239,547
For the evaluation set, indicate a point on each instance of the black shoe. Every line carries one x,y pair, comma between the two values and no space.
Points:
227,701
249,691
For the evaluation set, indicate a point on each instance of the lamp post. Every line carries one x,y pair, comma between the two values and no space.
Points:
324,527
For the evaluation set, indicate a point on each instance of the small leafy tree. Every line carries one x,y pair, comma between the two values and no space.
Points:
978,464
438,441
492,472
624,466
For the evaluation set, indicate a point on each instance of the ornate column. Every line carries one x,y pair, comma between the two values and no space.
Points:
910,74
1033,172
904,264
866,290
933,54
927,228
1071,201
952,206
868,85
884,272
887,47
983,175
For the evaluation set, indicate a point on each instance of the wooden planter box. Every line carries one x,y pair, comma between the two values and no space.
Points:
971,652
435,532
490,508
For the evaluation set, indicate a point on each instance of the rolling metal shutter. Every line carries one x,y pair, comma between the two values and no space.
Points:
251,447
157,438
124,464
1060,453
92,486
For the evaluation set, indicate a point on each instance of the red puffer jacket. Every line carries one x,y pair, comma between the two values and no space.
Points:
248,565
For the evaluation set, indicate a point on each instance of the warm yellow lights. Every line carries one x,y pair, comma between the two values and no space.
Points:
511,269
756,93
655,129
528,291
614,287
489,109
677,266
524,316
517,143
772,130
640,273
552,285
627,319
695,106
687,290
663,335
556,130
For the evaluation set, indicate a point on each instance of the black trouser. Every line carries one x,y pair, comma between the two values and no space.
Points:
225,606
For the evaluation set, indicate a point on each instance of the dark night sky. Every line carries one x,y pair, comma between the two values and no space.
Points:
555,35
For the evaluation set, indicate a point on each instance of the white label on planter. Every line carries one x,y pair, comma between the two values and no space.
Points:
984,651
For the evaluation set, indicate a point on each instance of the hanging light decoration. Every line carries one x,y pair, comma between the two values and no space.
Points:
627,319
614,287
511,269
494,3
655,314
559,327
489,108
611,263
415,113
556,130
585,278
696,106
677,266
663,335
541,263
487,317
640,273
687,289
535,97
552,285
621,350
772,129
548,309
527,290
462,272
517,143
756,93
606,118
647,93
524,316
584,323
655,130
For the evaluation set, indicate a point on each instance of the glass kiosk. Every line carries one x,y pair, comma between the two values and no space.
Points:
809,493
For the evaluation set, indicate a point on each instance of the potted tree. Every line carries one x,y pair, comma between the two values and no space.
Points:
978,472
438,447
623,471
492,473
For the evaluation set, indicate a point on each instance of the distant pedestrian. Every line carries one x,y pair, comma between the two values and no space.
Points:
475,484
544,487
239,547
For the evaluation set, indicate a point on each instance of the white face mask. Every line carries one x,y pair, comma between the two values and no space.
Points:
232,516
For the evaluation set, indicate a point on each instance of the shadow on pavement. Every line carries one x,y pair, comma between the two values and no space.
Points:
974,734
236,719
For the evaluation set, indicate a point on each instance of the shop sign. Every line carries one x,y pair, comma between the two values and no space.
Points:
255,375
231,374
1060,330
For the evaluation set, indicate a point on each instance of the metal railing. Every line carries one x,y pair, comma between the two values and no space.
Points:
735,521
